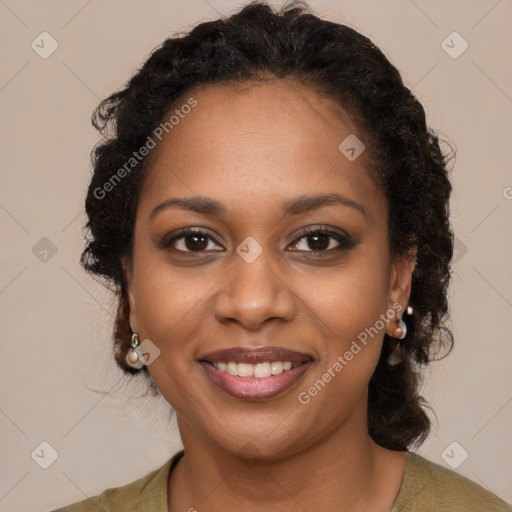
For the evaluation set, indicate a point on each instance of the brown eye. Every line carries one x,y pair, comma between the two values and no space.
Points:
190,240
195,242
321,240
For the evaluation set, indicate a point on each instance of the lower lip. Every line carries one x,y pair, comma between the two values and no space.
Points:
253,388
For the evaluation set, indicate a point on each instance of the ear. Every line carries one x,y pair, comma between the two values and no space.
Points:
400,283
128,275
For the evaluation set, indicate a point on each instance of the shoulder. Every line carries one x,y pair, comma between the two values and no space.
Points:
148,491
87,505
427,486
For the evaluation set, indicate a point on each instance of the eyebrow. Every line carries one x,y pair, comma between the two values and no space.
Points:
296,206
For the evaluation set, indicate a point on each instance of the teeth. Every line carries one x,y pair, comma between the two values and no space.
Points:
232,368
262,370
259,370
245,370
276,367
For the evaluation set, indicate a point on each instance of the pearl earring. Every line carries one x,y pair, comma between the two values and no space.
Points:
395,357
403,327
133,357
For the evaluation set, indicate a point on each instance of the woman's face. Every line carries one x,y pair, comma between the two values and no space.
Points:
255,279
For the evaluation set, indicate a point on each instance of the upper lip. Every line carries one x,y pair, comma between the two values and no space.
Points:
256,355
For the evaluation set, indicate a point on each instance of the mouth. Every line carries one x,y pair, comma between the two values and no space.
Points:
255,374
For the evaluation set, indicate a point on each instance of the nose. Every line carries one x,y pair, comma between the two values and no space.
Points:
254,293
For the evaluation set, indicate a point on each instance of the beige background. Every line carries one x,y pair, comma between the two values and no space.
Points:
58,382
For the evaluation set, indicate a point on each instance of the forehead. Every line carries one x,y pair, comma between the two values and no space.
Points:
258,141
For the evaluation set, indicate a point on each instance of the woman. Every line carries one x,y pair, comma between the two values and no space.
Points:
274,213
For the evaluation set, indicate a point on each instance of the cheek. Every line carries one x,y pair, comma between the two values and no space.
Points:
169,313
352,305
353,298
168,299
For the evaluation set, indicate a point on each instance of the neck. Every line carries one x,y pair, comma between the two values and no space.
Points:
345,471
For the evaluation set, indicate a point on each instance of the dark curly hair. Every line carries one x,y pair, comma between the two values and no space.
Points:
256,43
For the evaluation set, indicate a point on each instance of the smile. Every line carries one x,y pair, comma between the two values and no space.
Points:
259,370
255,374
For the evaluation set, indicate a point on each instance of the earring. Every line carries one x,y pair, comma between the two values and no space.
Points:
401,323
133,356
403,327
395,357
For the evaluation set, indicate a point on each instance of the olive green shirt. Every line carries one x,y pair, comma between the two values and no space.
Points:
426,487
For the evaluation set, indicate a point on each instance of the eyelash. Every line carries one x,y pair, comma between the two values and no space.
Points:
344,241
